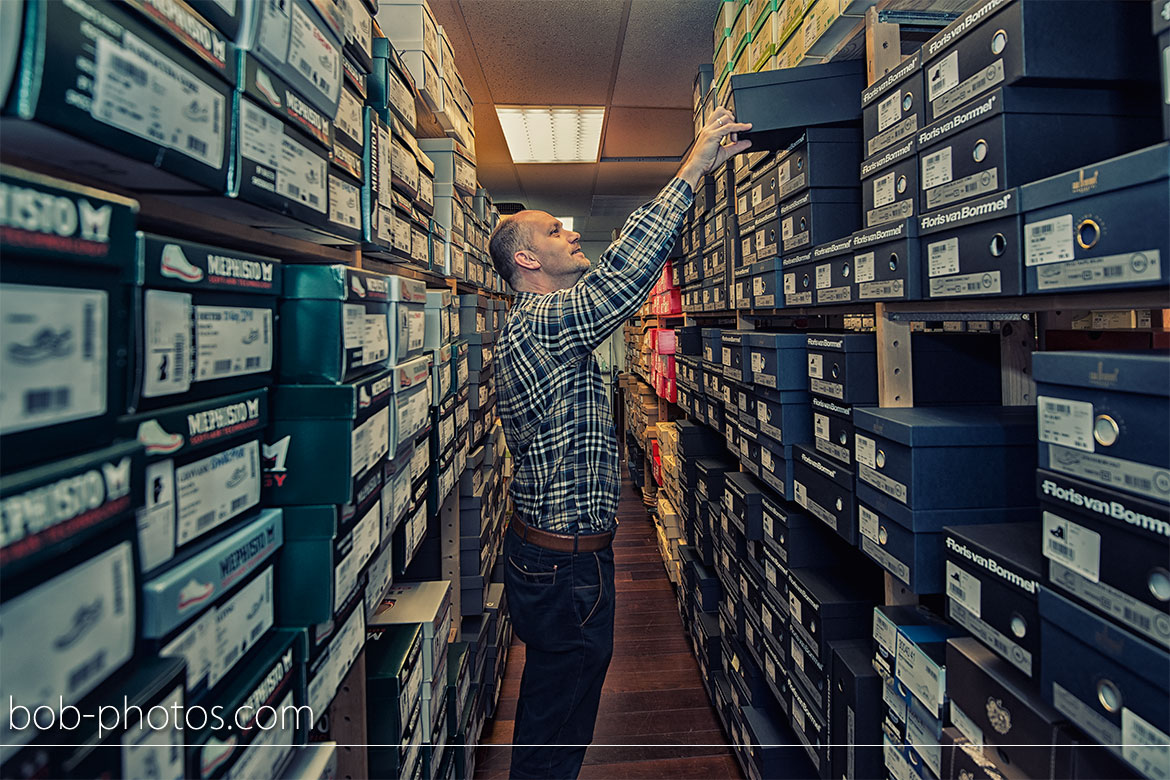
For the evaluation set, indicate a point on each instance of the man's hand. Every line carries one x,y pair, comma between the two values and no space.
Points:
715,143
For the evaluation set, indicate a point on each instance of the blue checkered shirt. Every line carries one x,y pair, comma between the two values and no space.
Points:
557,418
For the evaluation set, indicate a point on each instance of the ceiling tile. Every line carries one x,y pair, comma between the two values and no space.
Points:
535,52
665,42
647,132
634,178
562,190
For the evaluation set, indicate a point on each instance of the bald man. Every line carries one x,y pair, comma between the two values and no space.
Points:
558,561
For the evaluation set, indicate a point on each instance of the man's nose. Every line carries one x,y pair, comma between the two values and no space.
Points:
575,237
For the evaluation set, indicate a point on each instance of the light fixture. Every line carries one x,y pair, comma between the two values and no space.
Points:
566,222
552,134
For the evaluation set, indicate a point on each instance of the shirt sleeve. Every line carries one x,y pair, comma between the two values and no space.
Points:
573,322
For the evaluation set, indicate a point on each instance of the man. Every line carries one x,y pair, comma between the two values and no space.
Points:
557,422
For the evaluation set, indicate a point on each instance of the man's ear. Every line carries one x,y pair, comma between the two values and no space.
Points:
527,260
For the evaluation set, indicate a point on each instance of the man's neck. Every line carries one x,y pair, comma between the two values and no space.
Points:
543,285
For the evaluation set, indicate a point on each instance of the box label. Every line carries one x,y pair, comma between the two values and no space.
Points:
920,674
263,756
1144,745
1124,475
866,450
313,55
892,212
168,348
886,560
943,257
889,486
1072,545
818,511
232,341
816,365
50,649
967,727
885,633
973,86
966,187
893,135
196,645
891,288
942,76
868,522
156,518
1095,725
789,284
833,450
138,90
365,535
889,110
344,203
863,267
239,625
1122,607
299,175
1050,241
936,169
1142,266
986,283
831,389
821,425
151,752
215,489
920,738
997,641
342,650
883,190
964,589
54,355
1066,422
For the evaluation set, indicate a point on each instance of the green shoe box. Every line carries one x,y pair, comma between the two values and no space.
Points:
320,564
326,672
65,335
325,439
133,98
396,490
408,322
206,321
333,323
202,469
394,676
441,374
378,216
274,675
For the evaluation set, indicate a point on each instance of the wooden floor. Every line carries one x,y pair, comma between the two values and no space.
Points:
654,712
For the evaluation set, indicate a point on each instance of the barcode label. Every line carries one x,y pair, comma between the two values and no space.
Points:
252,362
239,503
964,589
1050,241
197,145
1072,545
46,400
205,520
124,67
1144,745
222,366
1065,422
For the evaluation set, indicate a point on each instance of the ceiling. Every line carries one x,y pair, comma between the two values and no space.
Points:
638,58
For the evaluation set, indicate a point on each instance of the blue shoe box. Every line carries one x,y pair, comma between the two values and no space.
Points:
1108,681
783,417
1099,227
973,249
820,157
793,539
832,426
843,366
1103,417
819,215
824,489
735,360
892,109
909,543
885,263
712,346
798,279
742,503
778,360
889,185
809,724
1108,550
828,604
776,466
919,450
833,271
767,284
1033,41
993,573
855,707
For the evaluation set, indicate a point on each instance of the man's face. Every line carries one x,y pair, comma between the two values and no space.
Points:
558,249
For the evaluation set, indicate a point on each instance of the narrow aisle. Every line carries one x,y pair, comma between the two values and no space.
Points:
654,711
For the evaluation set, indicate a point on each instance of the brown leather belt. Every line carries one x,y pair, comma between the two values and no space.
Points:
560,542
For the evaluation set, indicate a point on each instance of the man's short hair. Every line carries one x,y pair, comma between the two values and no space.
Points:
510,235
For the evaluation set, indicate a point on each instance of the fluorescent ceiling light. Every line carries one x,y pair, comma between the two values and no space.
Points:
552,134
566,222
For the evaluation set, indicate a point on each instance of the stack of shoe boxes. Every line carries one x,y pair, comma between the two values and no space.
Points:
409,631
455,186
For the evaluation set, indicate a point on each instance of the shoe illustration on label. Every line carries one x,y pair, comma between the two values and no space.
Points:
355,283
194,593
157,440
264,84
85,617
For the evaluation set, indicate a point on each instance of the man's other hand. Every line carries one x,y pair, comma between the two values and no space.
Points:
716,142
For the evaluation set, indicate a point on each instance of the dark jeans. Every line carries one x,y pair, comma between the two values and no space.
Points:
562,608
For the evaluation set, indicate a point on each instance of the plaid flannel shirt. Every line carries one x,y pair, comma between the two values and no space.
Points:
555,406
